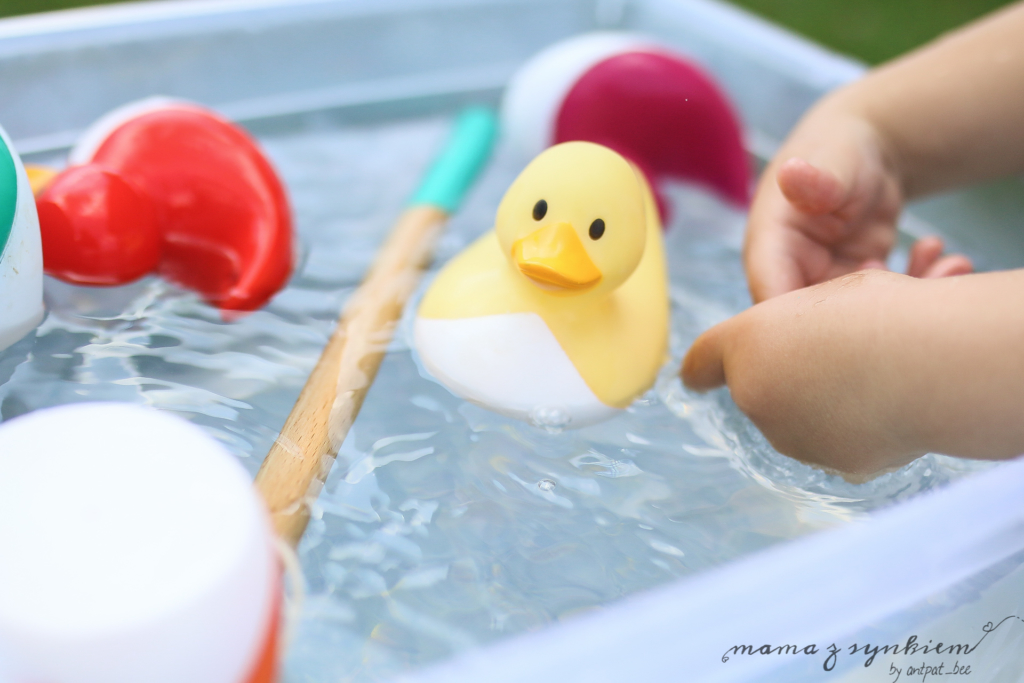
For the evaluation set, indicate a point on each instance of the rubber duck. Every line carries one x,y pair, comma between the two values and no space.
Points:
21,259
559,315
169,186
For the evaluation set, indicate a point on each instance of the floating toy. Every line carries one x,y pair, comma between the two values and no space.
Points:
134,549
655,107
169,186
21,259
98,229
560,315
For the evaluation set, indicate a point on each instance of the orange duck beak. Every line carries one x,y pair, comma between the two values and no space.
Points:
553,256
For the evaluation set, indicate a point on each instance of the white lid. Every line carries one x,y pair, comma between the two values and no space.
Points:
132,548
536,91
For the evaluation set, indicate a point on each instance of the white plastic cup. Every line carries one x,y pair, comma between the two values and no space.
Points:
133,548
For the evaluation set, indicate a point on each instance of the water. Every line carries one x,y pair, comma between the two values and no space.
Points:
443,526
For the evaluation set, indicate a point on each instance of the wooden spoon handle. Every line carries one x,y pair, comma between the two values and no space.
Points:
297,465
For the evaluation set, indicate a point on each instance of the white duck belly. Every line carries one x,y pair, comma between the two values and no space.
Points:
511,364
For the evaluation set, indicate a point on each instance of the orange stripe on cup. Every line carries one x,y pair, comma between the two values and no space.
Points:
265,669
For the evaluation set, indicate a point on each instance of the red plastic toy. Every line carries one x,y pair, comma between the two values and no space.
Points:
656,108
99,229
200,182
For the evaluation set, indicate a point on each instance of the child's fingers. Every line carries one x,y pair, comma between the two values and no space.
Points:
927,261
788,232
771,267
809,188
947,266
873,264
703,367
923,255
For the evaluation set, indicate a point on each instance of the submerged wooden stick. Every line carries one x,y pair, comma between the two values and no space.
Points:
300,459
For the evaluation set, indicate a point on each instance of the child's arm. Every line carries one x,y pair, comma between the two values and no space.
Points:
873,369
948,114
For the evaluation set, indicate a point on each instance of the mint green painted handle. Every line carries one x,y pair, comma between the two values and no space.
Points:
455,170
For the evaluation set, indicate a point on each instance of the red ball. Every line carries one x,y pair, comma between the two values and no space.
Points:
97,228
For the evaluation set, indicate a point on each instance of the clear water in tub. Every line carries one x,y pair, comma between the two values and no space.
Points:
442,525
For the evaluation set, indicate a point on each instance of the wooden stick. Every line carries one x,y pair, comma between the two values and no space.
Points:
298,463
294,471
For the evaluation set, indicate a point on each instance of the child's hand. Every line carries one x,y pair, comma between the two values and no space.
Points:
827,206
809,368
872,369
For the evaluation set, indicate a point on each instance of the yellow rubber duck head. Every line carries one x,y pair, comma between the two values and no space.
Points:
573,222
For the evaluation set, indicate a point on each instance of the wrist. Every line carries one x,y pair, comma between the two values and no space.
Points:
956,345
908,365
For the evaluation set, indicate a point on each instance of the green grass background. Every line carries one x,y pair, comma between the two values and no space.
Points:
871,30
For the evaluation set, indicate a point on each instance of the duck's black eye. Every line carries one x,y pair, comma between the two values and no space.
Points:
596,229
540,209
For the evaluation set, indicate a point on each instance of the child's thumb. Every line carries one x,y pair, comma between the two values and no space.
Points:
704,365
811,189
